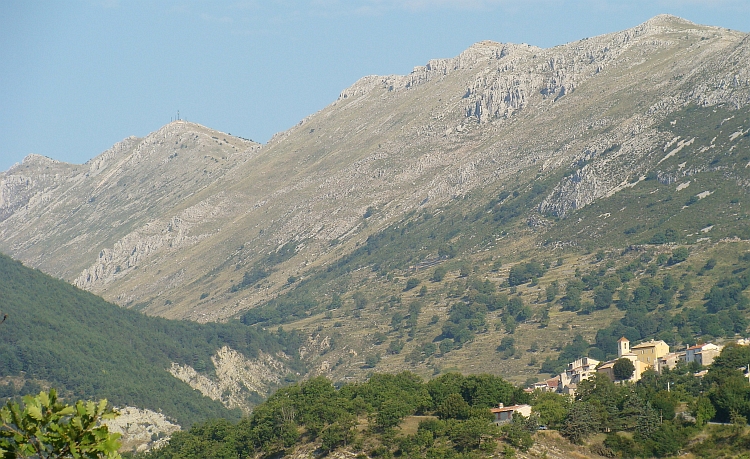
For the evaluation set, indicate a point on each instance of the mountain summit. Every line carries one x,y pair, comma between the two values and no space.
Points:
170,222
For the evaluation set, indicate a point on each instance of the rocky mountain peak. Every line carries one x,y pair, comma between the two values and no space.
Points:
668,20
35,159
170,222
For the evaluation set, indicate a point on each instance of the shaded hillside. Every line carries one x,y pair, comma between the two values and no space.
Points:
73,340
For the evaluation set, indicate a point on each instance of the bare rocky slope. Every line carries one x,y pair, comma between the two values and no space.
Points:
169,223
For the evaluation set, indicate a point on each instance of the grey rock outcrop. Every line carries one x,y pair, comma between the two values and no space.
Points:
236,378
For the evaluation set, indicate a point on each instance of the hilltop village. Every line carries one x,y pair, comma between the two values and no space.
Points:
649,355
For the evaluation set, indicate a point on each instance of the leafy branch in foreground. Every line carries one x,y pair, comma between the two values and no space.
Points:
42,427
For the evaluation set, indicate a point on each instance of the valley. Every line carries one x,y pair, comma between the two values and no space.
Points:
502,213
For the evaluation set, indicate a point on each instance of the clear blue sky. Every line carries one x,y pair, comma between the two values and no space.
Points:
78,76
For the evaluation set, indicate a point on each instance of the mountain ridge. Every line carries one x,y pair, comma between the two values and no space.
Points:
394,144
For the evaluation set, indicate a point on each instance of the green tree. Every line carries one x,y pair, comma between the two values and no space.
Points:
467,435
518,432
581,421
702,410
647,423
552,408
42,427
372,360
339,433
395,346
454,407
623,369
391,413
678,255
411,283
605,396
439,274
360,300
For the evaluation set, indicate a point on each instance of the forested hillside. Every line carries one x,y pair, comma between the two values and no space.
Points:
663,415
58,335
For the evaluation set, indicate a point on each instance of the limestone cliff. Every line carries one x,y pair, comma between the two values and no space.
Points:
236,378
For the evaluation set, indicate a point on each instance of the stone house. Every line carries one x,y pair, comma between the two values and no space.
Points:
704,354
504,414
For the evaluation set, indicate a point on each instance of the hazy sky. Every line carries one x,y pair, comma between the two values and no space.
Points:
78,76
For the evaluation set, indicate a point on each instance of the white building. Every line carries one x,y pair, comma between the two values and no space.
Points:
704,354
577,371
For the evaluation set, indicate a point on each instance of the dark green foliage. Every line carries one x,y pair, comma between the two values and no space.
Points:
379,338
623,369
250,278
360,300
508,209
602,298
284,308
372,360
581,421
395,346
605,397
678,255
703,410
411,283
729,389
552,408
464,321
421,352
662,237
93,349
646,304
726,294
519,431
647,422
439,274
572,299
524,272
468,435
668,439
710,264
621,444
446,345
477,390
453,407
506,343
572,351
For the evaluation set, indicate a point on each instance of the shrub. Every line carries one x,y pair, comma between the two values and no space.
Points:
411,283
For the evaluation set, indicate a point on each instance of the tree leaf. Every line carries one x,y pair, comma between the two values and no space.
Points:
68,410
44,398
35,412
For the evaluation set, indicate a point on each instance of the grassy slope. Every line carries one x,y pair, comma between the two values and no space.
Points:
481,231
